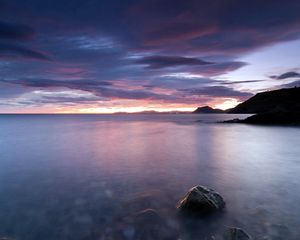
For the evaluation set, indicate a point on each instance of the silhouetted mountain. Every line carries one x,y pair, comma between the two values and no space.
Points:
283,100
208,109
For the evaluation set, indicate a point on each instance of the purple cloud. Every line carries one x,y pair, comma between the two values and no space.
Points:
125,49
218,91
10,51
15,31
286,75
239,82
291,84
156,62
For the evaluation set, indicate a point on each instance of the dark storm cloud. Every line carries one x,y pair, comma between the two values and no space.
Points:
286,75
155,62
15,31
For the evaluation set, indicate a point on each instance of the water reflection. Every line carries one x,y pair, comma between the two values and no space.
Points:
93,177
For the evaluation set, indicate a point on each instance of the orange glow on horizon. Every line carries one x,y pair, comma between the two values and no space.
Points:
125,106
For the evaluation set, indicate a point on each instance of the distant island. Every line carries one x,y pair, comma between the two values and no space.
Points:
280,107
150,112
207,109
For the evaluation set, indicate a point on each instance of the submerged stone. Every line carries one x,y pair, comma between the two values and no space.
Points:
236,234
148,216
150,225
201,200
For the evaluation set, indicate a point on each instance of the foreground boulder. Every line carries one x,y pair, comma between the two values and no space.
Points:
201,200
236,234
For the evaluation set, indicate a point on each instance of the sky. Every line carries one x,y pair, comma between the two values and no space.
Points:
104,56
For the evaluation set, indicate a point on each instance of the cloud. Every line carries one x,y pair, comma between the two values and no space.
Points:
218,68
240,82
11,35
291,84
15,31
286,75
60,97
228,27
218,91
125,49
131,94
156,62
192,65
51,83
179,82
11,91
10,51
98,88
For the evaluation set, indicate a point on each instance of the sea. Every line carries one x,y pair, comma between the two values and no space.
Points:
121,176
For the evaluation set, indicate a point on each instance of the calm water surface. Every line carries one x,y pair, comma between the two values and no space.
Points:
84,177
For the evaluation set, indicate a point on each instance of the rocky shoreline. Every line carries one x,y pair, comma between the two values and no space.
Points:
272,118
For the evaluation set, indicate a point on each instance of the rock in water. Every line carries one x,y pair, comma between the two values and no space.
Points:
236,234
148,216
201,200
150,225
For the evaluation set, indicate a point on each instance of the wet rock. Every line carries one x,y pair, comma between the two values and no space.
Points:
201,200
148,216
236,234
277,232
152,199
149,225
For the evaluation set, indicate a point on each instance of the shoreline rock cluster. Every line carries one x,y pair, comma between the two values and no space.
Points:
200,203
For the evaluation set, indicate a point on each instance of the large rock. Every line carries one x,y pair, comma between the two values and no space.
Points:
236,234
201,200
